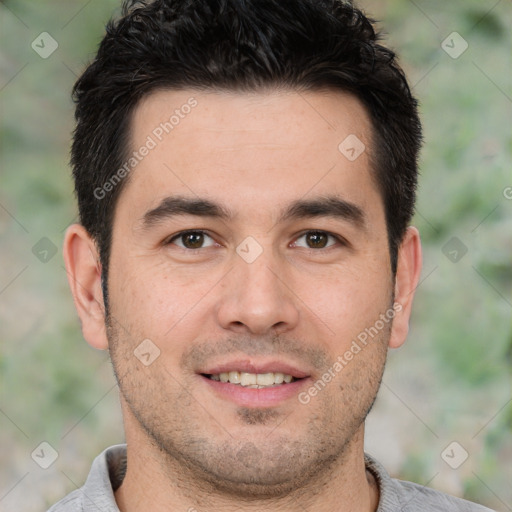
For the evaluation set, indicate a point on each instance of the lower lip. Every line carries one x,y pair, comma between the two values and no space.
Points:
252,397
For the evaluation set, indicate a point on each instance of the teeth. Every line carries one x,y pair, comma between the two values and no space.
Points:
234,377
265,379
247,379
253,380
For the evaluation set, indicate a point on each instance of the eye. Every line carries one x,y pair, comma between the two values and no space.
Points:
191,240
318,240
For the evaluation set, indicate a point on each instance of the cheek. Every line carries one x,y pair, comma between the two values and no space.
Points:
348,301
154,300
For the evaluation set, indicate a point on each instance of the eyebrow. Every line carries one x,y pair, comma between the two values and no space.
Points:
174,206
325,206
321,206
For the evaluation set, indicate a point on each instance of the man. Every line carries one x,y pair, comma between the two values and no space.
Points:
245,173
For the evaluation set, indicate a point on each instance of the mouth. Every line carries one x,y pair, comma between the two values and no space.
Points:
253,380
255,384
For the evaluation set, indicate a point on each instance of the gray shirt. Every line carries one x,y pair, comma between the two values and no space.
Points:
108,470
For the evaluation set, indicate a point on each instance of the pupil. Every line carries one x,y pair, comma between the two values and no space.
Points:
317,239
193,240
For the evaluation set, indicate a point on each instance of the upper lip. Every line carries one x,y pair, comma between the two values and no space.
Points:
253,366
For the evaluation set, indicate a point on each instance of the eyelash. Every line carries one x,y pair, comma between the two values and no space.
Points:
341,241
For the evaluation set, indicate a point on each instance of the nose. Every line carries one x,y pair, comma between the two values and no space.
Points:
258,297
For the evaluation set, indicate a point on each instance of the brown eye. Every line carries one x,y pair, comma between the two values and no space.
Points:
191,240
316,239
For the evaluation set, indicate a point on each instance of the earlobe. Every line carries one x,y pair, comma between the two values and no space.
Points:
84,276
407,278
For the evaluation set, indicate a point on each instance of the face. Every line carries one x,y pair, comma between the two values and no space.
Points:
274,271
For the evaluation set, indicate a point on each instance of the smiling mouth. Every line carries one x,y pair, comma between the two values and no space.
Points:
253,380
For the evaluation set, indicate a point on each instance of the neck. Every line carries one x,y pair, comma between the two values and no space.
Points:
154,481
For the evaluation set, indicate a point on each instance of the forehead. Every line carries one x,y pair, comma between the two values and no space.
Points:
324,111
262,148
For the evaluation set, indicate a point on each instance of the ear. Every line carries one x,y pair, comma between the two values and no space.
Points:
406,280
84,276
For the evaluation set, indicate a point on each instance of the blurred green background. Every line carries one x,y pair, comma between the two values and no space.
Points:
452,379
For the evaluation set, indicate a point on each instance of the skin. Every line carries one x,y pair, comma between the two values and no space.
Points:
189,446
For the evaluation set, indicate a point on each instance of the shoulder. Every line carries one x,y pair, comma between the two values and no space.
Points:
107,472
71,503
398,495
420,498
